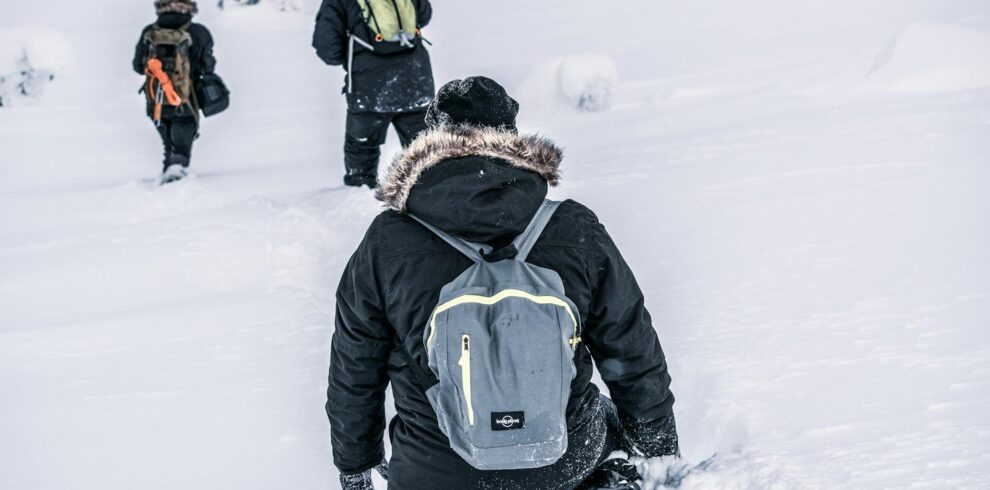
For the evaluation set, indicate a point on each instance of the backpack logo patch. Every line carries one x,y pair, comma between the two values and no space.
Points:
508,420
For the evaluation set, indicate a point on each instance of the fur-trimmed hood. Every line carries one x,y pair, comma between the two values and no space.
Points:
533,153
184,7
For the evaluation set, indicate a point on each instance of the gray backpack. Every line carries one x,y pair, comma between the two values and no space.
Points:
501,342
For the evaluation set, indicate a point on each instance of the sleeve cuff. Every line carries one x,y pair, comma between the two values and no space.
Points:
651,438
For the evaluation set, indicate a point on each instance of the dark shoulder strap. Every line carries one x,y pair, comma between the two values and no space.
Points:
472,250
149,33
188,35
369,17
524,243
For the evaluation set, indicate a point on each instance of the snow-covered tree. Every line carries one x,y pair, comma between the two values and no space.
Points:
23,81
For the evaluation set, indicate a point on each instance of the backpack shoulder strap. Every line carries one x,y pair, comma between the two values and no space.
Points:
369,14
524,243
472,250
186,35
149,34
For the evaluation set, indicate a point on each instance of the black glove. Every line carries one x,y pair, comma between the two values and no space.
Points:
357,481
382,469
362,481
614,474
650,438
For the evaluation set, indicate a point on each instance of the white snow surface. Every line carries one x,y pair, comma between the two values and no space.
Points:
48,49
814,254
935,58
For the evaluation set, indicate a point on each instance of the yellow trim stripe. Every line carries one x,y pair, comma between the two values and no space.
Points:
491,300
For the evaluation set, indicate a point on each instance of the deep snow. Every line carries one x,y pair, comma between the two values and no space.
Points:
800,187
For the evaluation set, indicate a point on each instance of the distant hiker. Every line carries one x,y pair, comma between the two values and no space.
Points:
173,54
389,76
456,297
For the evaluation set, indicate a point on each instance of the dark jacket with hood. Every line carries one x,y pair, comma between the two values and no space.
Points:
201,56
484,185
383,83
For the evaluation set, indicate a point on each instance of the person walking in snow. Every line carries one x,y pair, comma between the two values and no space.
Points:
458,199
389,79
173,54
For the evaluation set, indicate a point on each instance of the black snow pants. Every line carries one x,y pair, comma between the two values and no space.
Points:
178,134
366,132
596,434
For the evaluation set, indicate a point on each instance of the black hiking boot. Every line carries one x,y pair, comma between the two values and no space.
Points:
356,179
173,173
616,473
175,168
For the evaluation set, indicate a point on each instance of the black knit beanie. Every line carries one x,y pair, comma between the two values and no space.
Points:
476,101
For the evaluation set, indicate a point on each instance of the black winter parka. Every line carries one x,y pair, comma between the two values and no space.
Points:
483,185
382,83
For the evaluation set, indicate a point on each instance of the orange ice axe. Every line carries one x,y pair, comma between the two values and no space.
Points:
154,70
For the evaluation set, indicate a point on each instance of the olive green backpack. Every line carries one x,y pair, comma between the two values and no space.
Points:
392,24
172,48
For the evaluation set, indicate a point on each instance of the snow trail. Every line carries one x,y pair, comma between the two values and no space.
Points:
811,239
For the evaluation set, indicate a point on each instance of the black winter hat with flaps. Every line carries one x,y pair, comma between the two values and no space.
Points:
475,101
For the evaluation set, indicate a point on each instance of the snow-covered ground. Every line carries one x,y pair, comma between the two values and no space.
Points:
800,186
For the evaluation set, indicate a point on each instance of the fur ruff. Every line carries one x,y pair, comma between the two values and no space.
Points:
533,153
185,7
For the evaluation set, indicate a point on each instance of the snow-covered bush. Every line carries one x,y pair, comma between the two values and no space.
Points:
30,58
23,81
587,82
583,83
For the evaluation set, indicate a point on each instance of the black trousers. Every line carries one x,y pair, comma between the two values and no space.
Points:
366,132
596,434
178,134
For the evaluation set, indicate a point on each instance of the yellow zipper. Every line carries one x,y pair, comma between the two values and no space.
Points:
465,363
505,294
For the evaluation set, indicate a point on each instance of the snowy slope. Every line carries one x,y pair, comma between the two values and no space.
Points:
800,187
